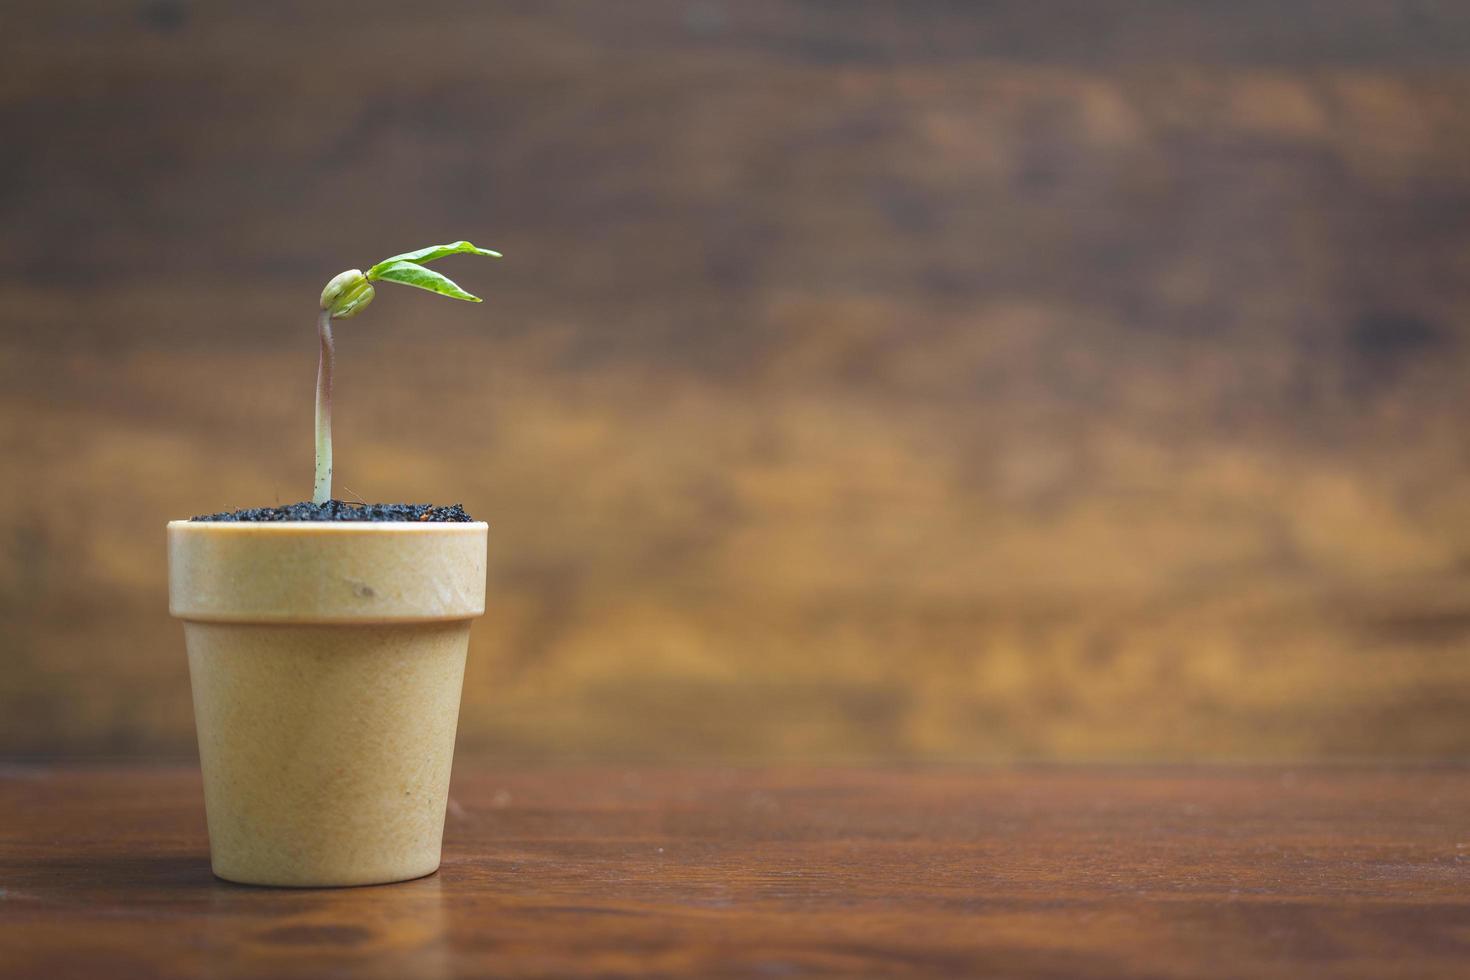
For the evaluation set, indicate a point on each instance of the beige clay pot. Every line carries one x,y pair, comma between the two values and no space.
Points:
326,661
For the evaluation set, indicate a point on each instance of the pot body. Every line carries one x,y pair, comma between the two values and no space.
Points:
326,661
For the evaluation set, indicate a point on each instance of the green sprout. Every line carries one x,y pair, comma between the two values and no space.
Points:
345,296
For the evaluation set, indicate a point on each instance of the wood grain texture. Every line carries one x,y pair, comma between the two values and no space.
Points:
865,381
1075,873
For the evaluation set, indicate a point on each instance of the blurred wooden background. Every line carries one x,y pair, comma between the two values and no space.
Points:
920,380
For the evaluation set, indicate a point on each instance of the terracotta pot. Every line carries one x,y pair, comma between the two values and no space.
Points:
326,661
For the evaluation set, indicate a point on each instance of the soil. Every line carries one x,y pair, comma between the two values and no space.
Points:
342,510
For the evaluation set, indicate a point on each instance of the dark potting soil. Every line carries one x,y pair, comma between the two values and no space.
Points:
341,510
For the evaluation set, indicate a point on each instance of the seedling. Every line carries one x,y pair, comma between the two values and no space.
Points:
345,296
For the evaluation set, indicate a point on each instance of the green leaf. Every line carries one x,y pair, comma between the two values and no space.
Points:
413,274
429,254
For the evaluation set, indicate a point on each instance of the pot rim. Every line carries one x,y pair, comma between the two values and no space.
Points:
326,571
438,527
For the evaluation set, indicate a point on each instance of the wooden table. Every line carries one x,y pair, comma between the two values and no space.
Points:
1070,873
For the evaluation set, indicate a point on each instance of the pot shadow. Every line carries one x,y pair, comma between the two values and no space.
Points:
131,875
398,930
123,876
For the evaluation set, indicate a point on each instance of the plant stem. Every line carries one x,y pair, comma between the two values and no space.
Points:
322,491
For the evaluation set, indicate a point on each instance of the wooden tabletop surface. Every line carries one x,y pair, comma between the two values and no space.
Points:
1098,872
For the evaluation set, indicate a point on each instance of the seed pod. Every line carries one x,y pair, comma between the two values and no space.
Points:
346,294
